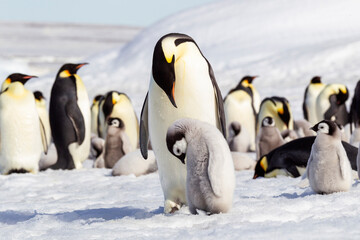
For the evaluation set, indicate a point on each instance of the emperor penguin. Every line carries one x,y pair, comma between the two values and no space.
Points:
279,109
330,103
210,181
43,114
238,138
354,114
15,77
117,142
70,118
241,105
23,135
309,104
291,158
182,85
269,137
118,105
94,114
328,168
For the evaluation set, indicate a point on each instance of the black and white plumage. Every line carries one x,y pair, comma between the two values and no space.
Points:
95,113
210,180
182,85
328,168
309,104
238,138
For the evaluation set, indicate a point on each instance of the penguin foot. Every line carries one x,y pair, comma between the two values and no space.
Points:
171,207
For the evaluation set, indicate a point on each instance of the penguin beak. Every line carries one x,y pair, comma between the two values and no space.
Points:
27,78
255,176
172,95
81,65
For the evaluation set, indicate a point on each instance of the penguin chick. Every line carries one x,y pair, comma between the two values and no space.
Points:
210,179
239,138
328,168
242,161
269,137
133,163
117,143
302,128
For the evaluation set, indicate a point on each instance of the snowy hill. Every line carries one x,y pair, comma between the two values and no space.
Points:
285,43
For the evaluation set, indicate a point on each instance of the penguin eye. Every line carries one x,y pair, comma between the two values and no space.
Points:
177,151
179,147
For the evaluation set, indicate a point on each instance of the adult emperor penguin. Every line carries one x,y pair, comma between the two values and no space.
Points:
182,85
118,105
309,104
279,109
43,114
15,77
354,115
241,105
328,168
210,180
21,131
70,118
94,114
330,103
291,158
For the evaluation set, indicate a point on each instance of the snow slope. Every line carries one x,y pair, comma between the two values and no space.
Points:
285,43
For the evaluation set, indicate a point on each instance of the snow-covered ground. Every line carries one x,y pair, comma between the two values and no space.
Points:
286,43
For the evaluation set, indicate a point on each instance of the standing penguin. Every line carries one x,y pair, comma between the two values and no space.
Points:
22,134
241,105
309,104
43,114
328,167
210,180
279,109
94,114
330,104
70,118
182,85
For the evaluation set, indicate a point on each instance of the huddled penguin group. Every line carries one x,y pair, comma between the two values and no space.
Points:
187,131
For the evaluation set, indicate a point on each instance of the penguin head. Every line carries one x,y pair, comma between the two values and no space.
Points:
116,122
342,96
234,128
176,143
110,100
247,80
96,100
167,51
69,69
283,109
261,167
38,95
315,80
325,127
268,122
16,77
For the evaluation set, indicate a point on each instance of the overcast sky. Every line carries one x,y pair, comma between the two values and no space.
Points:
119,12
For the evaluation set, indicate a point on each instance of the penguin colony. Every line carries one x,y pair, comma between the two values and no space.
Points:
198,139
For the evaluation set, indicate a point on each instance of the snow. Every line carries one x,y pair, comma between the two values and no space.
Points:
286,43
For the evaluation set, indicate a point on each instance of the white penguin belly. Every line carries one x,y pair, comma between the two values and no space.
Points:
194,96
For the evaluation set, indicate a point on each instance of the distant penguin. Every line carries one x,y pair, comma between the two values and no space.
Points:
279,109
291,159
309,104
302,128
15,77
210,180
241,105
94,114
117,142
238,138
328,168
43,114
269,137
354,115
70,118
242,161
330,104
118,105
23,136
182,85
133,163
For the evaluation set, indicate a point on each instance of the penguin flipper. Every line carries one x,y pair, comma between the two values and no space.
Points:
43,136
77,120
215,171
342,162
144,129
219,102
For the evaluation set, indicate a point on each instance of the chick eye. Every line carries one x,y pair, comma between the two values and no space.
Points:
177,151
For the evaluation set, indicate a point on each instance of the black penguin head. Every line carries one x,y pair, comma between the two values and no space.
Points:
38,95
97,98
235,127
342,96
69,69
247,80
261,167
164,57
326,127
268,121
18,77
283,111
176,143
116,122
316,79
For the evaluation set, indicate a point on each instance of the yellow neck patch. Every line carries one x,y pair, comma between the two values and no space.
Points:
264,163
65,74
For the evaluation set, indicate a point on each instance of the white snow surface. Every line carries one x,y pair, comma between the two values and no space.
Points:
286,43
